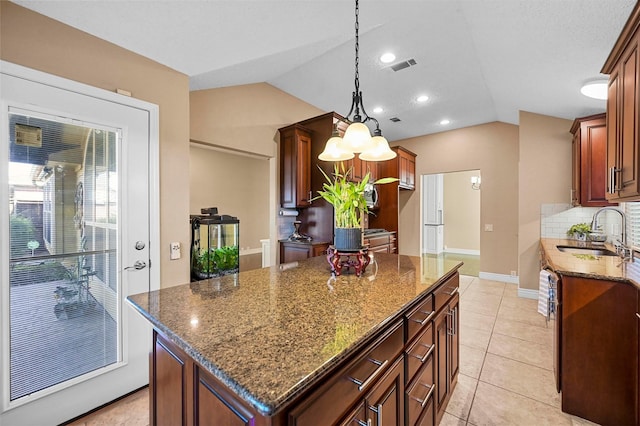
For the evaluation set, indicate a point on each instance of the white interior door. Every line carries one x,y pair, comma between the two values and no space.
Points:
75,197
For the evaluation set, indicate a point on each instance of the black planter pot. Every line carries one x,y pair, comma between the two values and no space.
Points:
348,239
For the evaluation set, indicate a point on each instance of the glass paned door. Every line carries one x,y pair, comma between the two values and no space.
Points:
76,165
63,214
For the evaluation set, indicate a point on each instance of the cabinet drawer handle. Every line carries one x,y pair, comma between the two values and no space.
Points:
424,401
638,315
378,410
454,291
363,384
428,317
429,352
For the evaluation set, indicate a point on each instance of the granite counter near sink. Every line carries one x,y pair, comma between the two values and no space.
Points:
586,265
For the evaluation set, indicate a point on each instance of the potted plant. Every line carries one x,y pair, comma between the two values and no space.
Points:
579,231
349,206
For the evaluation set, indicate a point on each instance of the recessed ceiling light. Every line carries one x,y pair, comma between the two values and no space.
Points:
422,98
445,122
378,110
596,89
387,58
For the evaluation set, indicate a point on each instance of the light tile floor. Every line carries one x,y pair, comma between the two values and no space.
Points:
506,366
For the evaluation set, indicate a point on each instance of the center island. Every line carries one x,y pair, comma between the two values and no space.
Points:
294,345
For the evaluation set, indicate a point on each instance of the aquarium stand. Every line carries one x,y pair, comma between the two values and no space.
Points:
356,259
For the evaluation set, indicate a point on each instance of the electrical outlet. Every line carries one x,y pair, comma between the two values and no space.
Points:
488,227
174,251
513,273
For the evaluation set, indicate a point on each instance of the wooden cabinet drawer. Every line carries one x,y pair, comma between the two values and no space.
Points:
420,397
378,241
330,402
420,352
446,291
419,317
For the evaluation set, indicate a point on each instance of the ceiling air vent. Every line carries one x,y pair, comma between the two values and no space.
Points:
394,119
404,64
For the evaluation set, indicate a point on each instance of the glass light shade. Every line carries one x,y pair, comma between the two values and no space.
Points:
379,152
357,138
332,152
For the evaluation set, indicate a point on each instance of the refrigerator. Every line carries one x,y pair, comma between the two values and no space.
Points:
433,212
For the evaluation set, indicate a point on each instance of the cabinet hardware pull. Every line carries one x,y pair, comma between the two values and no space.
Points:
611,180
363,384
454,291
424,358
638,315
361,423
428,317
424,401
378,410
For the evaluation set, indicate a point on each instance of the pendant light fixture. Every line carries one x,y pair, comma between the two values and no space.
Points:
357,138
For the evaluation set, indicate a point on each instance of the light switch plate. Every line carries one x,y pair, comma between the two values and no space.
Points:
175,251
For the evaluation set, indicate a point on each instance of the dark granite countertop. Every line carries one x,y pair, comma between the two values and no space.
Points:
270,333
587,266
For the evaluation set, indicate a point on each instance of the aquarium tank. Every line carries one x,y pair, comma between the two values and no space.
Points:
215,249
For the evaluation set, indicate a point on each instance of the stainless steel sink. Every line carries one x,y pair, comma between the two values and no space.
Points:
587,250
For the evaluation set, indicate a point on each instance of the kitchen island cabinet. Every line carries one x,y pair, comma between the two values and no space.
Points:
297,346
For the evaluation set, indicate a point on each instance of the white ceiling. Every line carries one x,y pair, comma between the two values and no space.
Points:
478,60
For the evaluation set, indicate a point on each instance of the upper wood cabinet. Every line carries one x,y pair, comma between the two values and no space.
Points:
295,167
361,168
406,168
623,165
589,161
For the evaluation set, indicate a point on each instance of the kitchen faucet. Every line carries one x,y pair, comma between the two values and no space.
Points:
621,245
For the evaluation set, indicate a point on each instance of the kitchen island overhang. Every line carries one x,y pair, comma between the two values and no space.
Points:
272,334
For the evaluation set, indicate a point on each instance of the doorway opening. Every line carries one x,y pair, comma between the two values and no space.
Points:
451,218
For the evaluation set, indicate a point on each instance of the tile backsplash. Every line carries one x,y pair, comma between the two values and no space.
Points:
556,219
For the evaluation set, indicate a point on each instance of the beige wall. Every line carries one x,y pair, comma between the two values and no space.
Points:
545,177
461,211
491,148
237,186
247,118
32,40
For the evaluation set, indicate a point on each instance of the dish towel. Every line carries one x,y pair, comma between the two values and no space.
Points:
544,294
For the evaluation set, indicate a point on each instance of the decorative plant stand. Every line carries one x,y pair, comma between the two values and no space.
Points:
339,259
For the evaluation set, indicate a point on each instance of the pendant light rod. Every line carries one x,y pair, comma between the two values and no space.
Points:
357,138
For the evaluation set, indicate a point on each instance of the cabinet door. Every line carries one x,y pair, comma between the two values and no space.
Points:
357,417
441,326
216,406
293,252
295,164
593,163
613,124
627,142
407,169
168,394
575,170
385,402
454,339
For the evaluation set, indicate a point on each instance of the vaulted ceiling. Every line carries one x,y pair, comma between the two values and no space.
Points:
477,60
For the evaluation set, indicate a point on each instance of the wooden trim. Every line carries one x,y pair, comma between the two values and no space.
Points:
576,123
628,31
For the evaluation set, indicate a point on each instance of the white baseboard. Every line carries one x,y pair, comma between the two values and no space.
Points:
527,293
499,277
462,251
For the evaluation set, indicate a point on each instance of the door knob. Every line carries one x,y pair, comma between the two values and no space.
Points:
139,264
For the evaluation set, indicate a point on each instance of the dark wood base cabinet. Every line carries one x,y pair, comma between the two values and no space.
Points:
599,350
403,376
